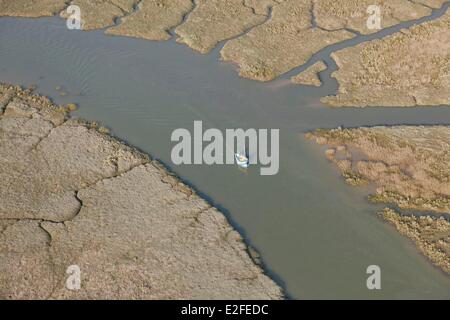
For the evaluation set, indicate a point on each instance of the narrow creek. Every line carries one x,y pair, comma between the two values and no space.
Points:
316,234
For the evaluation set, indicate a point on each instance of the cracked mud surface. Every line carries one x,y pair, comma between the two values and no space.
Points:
74,196
52,214
406,166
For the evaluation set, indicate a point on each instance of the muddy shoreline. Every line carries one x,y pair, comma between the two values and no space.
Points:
94,202
269,38
406,166
258,69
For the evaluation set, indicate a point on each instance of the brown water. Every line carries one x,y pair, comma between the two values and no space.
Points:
316,234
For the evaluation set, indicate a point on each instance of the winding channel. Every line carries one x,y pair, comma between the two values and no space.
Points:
316,234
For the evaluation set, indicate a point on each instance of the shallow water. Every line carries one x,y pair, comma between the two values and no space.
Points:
316,234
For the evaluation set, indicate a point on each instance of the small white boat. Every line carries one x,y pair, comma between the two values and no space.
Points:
241,160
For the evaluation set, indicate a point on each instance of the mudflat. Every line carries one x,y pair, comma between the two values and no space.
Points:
409,68
73,195
403,165
86,188
310,76
265,38
431,235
